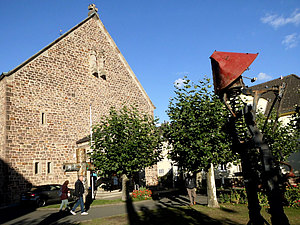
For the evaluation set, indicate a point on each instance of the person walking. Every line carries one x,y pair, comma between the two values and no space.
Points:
64,195
79,190
190,184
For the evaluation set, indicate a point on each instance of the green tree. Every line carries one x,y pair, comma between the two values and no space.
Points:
283,139
196,129
125,142
295,123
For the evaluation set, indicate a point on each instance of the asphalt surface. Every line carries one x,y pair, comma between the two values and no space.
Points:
26,216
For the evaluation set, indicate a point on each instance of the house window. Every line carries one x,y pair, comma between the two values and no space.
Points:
49,167
36,168
161,171
223,166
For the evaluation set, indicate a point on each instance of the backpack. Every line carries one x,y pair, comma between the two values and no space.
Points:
60,192
189,182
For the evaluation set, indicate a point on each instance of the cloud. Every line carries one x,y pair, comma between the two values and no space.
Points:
290,41
179,82
182,73
263,77
277,21
158,124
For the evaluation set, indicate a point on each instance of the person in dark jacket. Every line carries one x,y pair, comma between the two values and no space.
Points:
64,195
79,190
190,184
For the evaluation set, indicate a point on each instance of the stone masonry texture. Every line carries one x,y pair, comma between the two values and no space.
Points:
59,86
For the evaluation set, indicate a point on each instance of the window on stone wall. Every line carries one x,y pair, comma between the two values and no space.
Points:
36,167
43,118
103,77
49,167
96,74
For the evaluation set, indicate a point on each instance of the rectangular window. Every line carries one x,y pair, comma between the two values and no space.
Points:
36,168
223,167
43,118
49,169
161,171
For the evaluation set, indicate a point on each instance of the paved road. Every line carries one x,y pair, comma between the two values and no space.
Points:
52,216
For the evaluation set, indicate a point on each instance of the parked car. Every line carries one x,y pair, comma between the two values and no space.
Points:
44,194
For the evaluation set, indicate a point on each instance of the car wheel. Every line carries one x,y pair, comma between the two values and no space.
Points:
41,202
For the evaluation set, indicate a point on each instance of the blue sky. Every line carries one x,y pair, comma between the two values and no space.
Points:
163,40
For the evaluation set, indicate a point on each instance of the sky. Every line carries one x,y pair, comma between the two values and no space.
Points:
164,40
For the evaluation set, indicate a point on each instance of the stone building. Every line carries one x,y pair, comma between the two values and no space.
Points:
46,103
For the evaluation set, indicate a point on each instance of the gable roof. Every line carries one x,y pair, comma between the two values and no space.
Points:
44,49
291,95
102,27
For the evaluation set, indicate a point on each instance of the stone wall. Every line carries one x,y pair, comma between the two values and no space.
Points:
3,171
49,103
151,176
2,117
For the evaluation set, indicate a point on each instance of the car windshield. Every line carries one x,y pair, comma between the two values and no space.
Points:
33,189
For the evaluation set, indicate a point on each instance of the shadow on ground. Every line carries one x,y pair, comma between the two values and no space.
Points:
55,217
171,212
89,200
10,213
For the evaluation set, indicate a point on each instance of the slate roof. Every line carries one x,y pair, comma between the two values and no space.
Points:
291,97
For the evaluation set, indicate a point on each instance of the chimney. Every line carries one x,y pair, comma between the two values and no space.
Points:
92,9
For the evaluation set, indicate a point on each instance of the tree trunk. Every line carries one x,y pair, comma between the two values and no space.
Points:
125,192
211,188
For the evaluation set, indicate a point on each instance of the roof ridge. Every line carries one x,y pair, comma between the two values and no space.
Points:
294,75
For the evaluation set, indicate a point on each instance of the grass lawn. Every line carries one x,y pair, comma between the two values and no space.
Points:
228,214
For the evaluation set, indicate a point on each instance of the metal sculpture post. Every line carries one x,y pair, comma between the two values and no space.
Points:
258,164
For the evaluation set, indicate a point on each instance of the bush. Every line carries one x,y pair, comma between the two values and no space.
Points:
142,194
263,199
292,195
239,196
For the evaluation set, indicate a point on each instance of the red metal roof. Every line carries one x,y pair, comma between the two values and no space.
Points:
228,66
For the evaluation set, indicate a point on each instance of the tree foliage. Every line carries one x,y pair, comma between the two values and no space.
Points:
295,122
125,142
196,129
284,139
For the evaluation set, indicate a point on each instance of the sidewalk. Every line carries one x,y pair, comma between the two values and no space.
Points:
52,216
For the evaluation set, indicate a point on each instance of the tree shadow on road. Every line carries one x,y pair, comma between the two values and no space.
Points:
89,200
132,215
12,213
55,217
